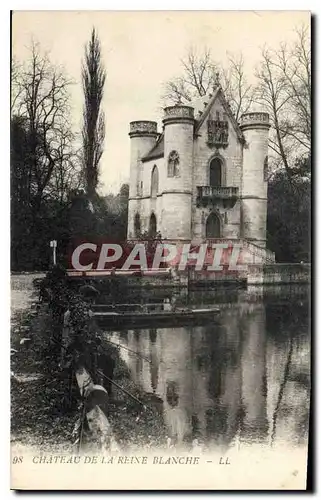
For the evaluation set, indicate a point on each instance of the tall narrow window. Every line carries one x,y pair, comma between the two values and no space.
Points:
173,164
266,169
154,182
213,226
216,172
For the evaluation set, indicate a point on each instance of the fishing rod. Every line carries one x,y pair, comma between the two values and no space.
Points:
122,389
130,350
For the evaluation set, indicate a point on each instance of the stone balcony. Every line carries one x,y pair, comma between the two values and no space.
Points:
217,195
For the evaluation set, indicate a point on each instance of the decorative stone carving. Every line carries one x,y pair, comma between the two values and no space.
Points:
217,133
220,197
249,119
179,112
173,164
143,128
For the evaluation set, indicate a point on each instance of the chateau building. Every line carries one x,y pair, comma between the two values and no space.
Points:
204,176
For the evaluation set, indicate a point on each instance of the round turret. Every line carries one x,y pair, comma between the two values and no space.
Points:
143,135
255,127
178,172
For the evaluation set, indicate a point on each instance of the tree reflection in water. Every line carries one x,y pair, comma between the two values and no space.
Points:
246,377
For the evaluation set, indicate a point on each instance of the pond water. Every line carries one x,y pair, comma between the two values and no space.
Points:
244,378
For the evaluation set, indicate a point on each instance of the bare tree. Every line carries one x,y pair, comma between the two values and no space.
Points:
200,74
294,63
238,91
284,90
198,78
15,82
66,175
41,100
93,132
271,93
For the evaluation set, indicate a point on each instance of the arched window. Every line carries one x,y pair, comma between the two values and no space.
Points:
154,182
216,172
137,225
266,168
173,164
152,226
213,226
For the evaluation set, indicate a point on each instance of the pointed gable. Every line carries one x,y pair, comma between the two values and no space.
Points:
207,102
202,107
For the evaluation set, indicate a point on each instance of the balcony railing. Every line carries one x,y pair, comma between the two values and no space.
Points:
217,193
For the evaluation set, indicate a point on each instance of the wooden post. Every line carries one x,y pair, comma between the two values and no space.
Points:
53,245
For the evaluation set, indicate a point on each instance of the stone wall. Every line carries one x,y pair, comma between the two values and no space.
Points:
257,274
274,274
231,158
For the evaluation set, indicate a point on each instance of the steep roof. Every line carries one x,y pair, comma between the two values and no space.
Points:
202,107
157,150
207,101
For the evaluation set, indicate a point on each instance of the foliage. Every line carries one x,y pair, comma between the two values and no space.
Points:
115,214
284,91
47,197
41,115
45,400
289,214
48,200
93,132
44,164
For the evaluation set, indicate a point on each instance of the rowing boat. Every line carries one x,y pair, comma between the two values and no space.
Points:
181,316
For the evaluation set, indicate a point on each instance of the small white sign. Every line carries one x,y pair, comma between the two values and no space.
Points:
53,243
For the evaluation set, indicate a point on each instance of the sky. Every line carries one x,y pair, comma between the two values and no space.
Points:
141,51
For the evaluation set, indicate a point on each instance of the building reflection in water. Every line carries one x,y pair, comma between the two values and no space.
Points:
228,382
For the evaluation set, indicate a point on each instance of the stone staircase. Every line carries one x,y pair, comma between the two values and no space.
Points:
251,253
260,255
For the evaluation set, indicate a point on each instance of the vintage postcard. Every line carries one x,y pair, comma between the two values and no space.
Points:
160,250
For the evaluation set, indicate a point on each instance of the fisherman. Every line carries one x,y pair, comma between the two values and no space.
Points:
105,353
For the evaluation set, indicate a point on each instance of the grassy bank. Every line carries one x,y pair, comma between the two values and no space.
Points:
45,399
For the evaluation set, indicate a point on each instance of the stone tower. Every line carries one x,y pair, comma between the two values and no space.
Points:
204,177
255,128
143,135
178,180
